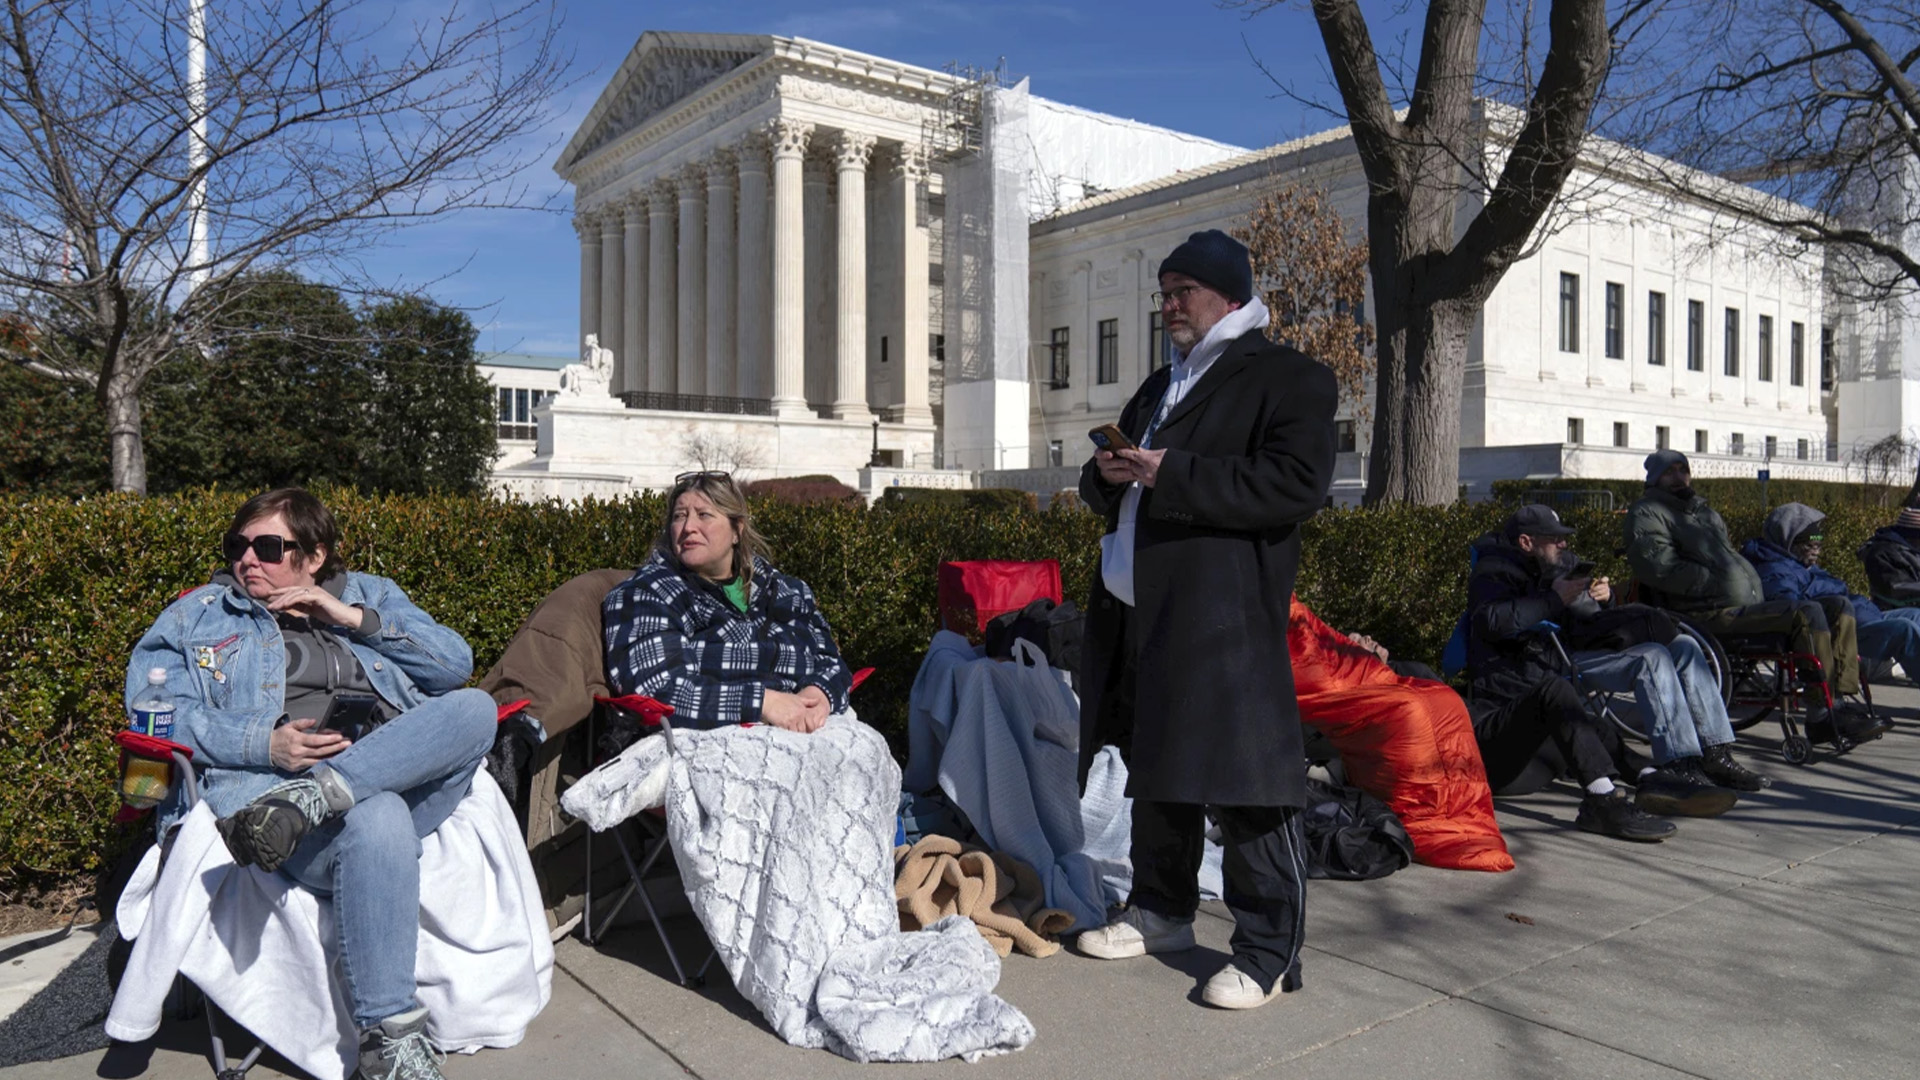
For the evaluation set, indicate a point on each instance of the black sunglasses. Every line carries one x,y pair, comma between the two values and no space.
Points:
702,474
266,546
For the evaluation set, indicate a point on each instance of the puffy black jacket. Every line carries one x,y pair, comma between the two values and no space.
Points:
1508,593
1893,568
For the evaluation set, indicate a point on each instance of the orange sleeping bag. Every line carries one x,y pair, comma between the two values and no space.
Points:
1407,741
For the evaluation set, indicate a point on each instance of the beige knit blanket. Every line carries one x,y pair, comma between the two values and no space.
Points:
939,876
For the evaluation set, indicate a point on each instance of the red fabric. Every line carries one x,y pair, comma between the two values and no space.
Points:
972,593
500,714
649,710
147,746
860,677
1407,741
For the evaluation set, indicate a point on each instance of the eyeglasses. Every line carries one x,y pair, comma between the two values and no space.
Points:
267,547
1177,295
702,474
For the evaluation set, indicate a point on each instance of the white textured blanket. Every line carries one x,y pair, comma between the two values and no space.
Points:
785,846
262,948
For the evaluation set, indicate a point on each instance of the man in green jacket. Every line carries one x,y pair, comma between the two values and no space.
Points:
1678,547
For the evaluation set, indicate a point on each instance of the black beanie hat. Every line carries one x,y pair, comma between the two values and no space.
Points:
1214,259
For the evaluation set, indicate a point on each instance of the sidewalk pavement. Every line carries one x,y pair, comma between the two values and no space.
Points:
1779,941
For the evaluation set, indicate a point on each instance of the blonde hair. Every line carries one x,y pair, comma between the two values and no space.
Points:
726,497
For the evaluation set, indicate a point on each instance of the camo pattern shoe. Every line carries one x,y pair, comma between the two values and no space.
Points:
265,831
398,1049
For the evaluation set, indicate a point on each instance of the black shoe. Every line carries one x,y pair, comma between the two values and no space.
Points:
1719,766
1680,788
265,831
1859,725
1615,815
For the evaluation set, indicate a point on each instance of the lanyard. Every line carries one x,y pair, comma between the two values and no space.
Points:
1160,412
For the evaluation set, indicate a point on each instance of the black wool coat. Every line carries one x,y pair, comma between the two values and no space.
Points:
1249,455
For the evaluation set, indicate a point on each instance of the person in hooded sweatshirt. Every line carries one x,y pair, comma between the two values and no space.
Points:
1526,574
1891,557
1787,555
253,659
1185,661
1678,547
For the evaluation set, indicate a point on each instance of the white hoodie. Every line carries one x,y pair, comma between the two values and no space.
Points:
1116,548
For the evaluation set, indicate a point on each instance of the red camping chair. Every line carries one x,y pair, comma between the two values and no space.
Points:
973,593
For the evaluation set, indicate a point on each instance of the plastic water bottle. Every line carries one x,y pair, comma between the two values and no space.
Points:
153,714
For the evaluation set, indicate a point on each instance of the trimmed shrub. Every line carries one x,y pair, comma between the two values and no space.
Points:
977,498
804,489
1725,493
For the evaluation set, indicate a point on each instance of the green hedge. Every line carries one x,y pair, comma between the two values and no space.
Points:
84,579
1726,493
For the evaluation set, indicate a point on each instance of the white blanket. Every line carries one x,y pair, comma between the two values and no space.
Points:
262,949
785,847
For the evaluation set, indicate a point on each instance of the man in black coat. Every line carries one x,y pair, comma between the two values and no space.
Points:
1185,663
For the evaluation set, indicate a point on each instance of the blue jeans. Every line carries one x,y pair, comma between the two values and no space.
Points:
407,776
1895,635
1674,688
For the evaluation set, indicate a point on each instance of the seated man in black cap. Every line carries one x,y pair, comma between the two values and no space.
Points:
1679,547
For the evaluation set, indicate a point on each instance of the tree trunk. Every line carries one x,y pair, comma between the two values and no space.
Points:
1422,367
129,453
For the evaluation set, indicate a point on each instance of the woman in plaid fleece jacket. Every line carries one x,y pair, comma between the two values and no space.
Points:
708,626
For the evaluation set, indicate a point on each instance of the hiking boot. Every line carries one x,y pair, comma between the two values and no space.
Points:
265,831
1136,932
1720,766
1680,788
1231,988
1615,815
398,1049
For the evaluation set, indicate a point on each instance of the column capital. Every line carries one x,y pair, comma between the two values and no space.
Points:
852,150
693,177
787,138
720,160
586,225
750,153
633,208
611,221
910,163
661,193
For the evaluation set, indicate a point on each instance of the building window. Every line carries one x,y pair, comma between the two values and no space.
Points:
1056,453
1616,320
1737,444
1109,351
515,412
883,348
1158,355
1763,347
1576,430
1570,313
937,348
1800,449
1730,338
1826,358
1057,359
1343,436
1619,433
1660,437
1772,445
1657,329
1696,336
1699,440
1797,354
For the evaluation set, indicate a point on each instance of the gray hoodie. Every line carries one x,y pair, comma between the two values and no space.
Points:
1788,521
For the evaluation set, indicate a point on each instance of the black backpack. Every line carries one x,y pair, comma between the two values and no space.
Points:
1055,629
1352,836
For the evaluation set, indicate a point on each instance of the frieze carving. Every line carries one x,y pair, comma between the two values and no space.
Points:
665,77
1107,279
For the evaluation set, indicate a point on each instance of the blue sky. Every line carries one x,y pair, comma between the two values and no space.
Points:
1183,64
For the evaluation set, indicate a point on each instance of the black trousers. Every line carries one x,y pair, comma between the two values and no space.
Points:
1512,733
1264,864
1265,867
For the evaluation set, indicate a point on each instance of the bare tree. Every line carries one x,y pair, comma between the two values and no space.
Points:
1314,282
318,128
1816,102
1430,275
711,451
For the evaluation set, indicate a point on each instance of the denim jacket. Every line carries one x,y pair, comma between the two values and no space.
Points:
226,667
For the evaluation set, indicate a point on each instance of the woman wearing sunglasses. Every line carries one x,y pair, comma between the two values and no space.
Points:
708,626
255,661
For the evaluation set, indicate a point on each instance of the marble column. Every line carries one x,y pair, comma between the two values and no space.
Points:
612,323
789,141
662,344
850,368
754,344
816,202
721,338
693,279
588,230
633,306
908,174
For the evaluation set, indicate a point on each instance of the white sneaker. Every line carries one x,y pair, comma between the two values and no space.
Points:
1136,932
1231,988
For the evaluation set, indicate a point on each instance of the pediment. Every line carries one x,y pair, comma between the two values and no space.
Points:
655,78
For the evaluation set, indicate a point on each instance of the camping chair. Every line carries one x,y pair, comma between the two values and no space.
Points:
654,843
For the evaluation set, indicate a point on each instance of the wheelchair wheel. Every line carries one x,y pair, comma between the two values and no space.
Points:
1726,674
1796,749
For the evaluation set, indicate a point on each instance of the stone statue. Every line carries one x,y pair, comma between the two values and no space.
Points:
593,375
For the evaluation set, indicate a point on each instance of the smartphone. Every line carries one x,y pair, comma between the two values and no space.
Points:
1583,568
352,715
1110,437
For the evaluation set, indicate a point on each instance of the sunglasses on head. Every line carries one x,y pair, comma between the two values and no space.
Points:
266,547
702,474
